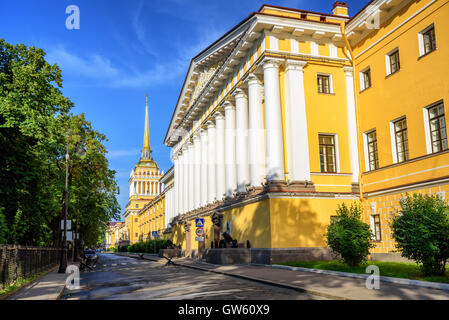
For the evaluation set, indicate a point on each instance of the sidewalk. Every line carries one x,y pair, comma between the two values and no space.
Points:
48,287
325,285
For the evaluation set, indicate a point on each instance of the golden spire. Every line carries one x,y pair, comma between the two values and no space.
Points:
146,151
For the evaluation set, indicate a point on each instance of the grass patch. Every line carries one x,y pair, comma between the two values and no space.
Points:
11,288
387,269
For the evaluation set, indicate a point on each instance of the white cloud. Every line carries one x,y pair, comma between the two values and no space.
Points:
100,71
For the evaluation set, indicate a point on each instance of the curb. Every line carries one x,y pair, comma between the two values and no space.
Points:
417,283
272,283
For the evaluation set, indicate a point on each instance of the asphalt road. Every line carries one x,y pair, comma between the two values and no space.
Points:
122,278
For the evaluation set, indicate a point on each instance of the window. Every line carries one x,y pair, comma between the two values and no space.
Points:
137,205
137,234
373,158
392,61
136,220
377,235
365,79
401,140
327,153
437,128
427,41
323,82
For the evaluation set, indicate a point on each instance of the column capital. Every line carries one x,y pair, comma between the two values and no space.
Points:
196,136
348,71
210,124
253,79
218,116
203,132
297,65
227,105
270,62
239,93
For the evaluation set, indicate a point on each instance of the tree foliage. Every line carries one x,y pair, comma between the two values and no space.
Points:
35,127
349,236
421,232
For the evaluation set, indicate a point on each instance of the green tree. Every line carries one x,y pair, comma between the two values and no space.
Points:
421,232
35,127
349,236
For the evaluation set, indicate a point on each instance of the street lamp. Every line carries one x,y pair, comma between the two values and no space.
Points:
81,152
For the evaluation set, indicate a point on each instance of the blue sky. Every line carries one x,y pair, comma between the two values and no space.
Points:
124,49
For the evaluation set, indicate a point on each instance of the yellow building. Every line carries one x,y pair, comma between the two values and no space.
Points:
271,132
144,186
113,234
401,64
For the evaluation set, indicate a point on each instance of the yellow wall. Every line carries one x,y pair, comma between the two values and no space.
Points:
419,83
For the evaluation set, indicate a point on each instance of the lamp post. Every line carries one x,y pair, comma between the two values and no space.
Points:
63,261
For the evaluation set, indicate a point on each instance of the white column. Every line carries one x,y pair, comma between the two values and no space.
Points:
256,138
176,184
220,155
211,184
241,139
230,161
352,124
273,121
296,122
186,180
203,186
191,176
197,182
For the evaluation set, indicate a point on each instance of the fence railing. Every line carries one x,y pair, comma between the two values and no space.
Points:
23,262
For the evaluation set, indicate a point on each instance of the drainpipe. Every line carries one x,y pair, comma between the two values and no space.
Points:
356,103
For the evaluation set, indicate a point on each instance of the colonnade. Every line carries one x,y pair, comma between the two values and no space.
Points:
243,144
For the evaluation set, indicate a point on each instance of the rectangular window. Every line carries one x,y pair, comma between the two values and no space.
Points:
393,64
327,153
437,123
366,77
373,158
427,42
401,139
323,83
377,234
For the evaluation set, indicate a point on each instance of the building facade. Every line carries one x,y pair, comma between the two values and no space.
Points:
293,112
144,186
113,234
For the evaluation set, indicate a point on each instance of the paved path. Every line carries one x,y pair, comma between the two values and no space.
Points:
330,286
48,287
124,278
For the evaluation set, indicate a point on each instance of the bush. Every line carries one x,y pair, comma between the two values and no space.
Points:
349,236
421,232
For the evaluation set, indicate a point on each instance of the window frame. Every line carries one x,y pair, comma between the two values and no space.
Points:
388,63
429,140
367,150
421,38
335,153
362,73
394,140
377,228
330,84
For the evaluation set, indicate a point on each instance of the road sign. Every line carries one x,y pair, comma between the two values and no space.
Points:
199,222
154,234
69,236
69,224
199,232
199,238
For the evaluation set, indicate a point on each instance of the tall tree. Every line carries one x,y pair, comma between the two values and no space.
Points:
35,126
